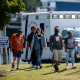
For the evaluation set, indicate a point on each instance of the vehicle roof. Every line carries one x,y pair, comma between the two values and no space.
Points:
52,12
75,29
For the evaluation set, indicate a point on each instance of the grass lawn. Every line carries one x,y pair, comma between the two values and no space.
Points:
46,73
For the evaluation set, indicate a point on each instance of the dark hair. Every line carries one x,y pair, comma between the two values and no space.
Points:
56,27
69,32
19,31
32,27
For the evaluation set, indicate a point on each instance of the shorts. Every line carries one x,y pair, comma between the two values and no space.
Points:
57,55
17,53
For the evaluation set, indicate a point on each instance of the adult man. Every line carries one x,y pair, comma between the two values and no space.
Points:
29,40
56,43
17,47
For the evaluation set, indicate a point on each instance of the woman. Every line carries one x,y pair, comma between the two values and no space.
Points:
69,48
38,44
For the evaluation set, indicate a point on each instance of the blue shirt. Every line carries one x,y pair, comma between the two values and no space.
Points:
30,37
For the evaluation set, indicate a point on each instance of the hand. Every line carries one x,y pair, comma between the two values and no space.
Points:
65,50
26,55
22,51
46,48
10,50
27,49
31,50
51,49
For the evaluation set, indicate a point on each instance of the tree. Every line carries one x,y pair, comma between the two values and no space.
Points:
31,5
7,7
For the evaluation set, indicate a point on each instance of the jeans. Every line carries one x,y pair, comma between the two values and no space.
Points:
38,59
41,52
33,57
71,53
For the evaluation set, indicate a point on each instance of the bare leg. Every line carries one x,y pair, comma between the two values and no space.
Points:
18,60
13,64
14,58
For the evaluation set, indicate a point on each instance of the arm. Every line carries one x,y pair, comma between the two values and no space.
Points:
74,47
63,43
32,44
27,46
28,38
11,46
50,43
11,40
22,43
65,49
65,46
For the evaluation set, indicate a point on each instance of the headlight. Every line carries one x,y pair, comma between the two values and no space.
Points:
78,45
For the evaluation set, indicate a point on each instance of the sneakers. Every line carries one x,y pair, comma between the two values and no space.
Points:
40,66
67,67
37,67
17,68
74,67
56,69
33,66
13,65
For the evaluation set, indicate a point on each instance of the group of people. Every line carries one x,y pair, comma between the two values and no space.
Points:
36,41
57,44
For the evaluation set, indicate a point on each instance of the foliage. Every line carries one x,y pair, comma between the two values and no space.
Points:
7,7
31,5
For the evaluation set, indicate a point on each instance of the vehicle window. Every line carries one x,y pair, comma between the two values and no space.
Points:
67,16
73,16
78,16
61,16
64,34
54,16
48,16
76,33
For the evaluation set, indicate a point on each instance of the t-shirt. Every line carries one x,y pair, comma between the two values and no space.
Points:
16,42
30,37
69,43
56,41
39,37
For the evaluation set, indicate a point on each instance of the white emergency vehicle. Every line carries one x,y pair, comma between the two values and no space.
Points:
47,21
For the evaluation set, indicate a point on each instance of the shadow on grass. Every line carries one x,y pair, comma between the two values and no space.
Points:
1,75
25,69
49,66
63,70
49,73
54,72
73,72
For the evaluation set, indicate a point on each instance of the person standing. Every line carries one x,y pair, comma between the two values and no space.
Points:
70,49
56,43
16,47
29,40
38,44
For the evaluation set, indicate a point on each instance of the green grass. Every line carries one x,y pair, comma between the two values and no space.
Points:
46,73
